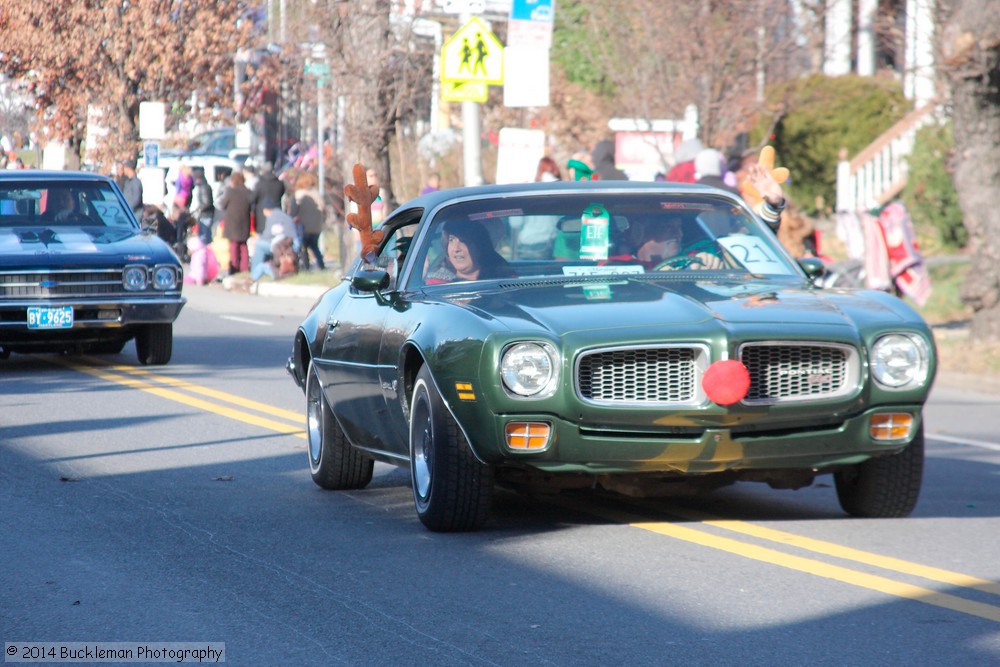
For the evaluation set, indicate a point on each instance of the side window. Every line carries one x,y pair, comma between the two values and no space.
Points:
395,250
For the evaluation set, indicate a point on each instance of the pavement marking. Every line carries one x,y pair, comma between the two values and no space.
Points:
246,320
826,570
121,376
178,397
982,444
815,567
213,393
956,579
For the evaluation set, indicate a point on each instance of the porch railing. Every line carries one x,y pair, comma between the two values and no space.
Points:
877,174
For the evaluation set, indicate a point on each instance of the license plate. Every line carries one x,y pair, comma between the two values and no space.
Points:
50,318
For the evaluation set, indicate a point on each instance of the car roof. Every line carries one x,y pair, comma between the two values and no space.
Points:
46,175
439,197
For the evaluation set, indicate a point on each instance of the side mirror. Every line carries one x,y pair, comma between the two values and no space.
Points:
813,267
370,281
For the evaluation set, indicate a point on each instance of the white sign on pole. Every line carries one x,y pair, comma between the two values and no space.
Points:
152,121
518,153
530,23
526,78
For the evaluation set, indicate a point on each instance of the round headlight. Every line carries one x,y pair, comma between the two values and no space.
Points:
134,278
165,278
529,369
900,361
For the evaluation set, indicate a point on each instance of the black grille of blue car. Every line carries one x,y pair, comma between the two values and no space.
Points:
61,284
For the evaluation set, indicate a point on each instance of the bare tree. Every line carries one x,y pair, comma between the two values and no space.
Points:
970,43
661,55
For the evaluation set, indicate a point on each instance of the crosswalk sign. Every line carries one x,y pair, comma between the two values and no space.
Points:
473,54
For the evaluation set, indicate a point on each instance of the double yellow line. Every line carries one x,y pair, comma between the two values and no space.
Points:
181,392
813,566
703,535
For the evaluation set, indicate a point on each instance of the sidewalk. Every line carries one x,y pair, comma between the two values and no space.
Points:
275,288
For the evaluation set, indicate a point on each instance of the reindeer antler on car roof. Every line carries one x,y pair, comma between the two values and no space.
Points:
363,195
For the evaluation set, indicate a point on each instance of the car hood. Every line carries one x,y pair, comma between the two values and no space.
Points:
565,308
87,246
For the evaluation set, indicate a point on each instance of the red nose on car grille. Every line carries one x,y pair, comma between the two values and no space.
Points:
786,372
642,375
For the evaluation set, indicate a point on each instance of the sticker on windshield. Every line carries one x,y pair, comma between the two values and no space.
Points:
753,254
603,270
595,239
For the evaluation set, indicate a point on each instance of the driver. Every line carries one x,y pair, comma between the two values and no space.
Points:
60,206
661,247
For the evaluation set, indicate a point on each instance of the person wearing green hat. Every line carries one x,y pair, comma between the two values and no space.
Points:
579,167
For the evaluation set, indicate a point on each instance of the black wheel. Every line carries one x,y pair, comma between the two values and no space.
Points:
452,490
884,487
334,464
154,344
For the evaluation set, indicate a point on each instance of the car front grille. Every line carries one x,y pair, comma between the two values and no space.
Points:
61,284
645,375
780,372
787,372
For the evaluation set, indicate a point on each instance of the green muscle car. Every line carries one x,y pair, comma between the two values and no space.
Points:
638,337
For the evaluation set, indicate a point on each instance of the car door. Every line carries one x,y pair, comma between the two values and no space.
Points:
361,360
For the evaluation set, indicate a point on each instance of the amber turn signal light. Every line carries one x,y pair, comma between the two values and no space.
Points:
891,426
528,436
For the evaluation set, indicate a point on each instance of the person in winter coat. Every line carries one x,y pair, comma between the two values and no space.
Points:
268,186
235,204
202,205
307,210
710,169
604,162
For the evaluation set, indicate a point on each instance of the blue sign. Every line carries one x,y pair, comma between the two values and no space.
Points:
532,10
151,154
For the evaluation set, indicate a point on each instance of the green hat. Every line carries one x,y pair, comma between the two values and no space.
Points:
582,171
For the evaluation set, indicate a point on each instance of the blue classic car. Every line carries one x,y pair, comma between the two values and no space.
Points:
78,273
644,338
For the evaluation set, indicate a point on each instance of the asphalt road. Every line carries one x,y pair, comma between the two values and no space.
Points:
174,504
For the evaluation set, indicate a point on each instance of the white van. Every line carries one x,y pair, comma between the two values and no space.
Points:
217,170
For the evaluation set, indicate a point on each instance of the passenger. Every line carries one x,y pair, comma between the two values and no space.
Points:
469,255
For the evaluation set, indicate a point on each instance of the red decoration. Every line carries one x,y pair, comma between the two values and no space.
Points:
726,382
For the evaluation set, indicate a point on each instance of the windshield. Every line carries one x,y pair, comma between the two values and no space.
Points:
595,234
62,204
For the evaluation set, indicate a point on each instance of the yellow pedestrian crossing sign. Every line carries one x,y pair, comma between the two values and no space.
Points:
472,54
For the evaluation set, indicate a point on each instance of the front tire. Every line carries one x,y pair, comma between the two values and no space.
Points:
452,490
885,487
334,464
154,344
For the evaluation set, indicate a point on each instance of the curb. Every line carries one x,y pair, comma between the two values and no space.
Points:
274,289
291,291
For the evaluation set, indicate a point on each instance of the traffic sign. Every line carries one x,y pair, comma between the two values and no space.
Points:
465,91
472,54
530,23
151,154
317,69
